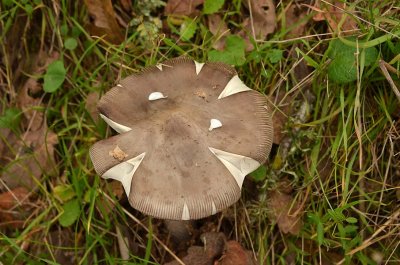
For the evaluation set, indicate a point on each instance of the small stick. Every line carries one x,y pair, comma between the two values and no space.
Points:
384,67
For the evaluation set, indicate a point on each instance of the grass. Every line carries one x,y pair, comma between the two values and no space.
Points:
339,153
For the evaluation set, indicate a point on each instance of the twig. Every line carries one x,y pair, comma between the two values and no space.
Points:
384,67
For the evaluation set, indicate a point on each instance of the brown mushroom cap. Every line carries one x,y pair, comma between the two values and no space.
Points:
171,163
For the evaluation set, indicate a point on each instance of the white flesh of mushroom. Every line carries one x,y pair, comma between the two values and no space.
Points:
116,126
214,209
235,85
159,66
238,165
124,171
214,123
198,67
185,212
156,95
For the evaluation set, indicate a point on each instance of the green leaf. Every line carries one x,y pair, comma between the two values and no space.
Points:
64,192
350,230
70,43
371,54
64,29
71,211
29,9
188,29
337,215
10,119
212,6
351,220
275,55
7,3
233,54
320,233
75,32
172,44
260,173
342,70
310,61
54,76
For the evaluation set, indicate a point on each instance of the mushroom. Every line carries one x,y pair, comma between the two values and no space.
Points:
189,133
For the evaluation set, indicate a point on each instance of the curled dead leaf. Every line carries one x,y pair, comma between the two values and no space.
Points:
104,20
34,157
219,29
285,212
235,254
294,15
333,12
14,207
262,20
214,246
182,7
28,156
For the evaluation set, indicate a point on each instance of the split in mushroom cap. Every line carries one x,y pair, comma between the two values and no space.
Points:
189,132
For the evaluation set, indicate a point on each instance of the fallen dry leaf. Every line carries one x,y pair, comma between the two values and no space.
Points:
293,15
333,14
14,207
262,20
236,255
217,251
118,154
29,156
214,246
26,100
126,5
282,211
34,157
182,7
219,29
104,20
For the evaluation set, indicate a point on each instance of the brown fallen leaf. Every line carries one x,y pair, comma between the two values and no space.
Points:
219,29
287,217
14,207
262,20
104,21
26,100
214,246
294,14
182,7
333,13
34,157
30,155
118,154
235,254
126,5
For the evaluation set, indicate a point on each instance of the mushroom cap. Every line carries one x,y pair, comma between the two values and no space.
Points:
189,133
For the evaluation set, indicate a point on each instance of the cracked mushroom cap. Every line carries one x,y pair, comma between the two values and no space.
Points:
189,133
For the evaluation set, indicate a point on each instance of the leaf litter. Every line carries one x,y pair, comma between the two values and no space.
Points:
29,155
104,21
183,7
